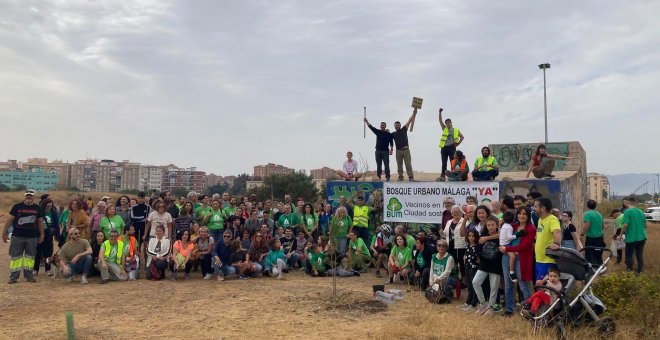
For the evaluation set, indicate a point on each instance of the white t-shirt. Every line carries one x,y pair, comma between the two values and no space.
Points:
155,218
349,167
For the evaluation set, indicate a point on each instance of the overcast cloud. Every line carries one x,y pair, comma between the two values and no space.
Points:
225,85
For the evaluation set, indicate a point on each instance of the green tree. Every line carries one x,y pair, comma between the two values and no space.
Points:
238,188
604,194
217,189
4,187
20,187
179,192
296,185
324,187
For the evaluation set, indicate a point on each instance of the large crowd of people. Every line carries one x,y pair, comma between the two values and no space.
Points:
486,250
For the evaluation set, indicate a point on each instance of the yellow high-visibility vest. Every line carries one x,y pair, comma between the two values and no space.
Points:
445,133
120,250
361,216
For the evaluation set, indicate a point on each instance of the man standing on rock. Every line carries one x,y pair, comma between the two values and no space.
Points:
400,137
28,222
451,138
384,147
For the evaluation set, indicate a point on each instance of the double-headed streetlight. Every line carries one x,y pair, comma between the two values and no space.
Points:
545,101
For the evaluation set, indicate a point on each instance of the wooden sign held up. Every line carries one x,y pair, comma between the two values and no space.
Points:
417,103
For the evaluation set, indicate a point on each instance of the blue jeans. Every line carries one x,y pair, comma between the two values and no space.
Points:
224,269
568,244
484,175
80,267
509,292
363,233
291,261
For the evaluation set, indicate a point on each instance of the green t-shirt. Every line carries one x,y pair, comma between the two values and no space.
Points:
596,226
636,221
618,222
63,218
216,221
228,211
401,256
288,221
201,212
410,243
317,261
359,243
310,221
419,258
113,223
340,226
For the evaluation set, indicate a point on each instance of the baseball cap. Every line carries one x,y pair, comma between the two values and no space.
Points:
30,192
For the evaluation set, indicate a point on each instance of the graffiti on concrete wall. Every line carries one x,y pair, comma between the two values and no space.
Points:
516,157
337,189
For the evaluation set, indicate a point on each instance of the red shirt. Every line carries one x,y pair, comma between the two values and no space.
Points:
537,160
525,251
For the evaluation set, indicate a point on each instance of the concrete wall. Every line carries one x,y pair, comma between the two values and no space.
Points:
566,193
516,157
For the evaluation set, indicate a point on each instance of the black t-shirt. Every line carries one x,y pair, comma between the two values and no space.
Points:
383,139
26,219
238,256
566,235
490,258
401,138
287,243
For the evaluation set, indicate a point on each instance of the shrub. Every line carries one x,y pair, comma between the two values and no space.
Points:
631,296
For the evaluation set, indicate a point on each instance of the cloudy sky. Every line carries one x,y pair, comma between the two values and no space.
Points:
225,85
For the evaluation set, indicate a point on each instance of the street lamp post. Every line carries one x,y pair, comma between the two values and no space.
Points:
545,101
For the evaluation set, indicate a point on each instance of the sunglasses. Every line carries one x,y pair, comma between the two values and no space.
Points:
258,236
442,246
227,236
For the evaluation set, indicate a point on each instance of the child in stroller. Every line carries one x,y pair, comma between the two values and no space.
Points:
573,309
544,297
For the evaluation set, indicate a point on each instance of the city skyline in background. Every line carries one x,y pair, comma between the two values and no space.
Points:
226,85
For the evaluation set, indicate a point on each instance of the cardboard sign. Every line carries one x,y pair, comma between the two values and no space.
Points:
417,103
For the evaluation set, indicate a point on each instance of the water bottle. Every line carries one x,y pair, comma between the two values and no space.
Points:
385,297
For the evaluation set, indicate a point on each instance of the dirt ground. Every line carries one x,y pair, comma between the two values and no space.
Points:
259,308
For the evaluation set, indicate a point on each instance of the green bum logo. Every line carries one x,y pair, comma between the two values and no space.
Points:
394,208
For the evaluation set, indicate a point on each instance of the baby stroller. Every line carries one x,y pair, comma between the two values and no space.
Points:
582,308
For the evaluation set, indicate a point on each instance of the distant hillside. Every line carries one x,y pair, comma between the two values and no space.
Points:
625,184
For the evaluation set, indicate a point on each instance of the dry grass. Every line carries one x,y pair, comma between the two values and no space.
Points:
8,199
261,308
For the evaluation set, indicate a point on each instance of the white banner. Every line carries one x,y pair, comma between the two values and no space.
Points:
421,202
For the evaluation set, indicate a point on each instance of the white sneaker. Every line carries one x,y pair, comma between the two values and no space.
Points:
70,279
83,280
469,309
49,273
207,277
463,306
